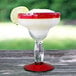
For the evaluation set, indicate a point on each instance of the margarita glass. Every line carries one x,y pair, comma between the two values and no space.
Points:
38,25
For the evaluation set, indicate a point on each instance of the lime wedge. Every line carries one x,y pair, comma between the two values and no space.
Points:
16,11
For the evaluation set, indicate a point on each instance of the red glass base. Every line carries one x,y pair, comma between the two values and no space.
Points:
38,67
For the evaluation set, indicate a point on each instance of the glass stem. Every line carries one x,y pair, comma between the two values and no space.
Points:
38,51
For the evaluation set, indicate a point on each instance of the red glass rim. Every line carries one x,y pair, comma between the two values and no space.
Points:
38,15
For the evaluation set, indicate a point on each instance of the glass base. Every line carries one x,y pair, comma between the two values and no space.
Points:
39,67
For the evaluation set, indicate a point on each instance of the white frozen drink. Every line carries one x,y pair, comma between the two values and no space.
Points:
39,21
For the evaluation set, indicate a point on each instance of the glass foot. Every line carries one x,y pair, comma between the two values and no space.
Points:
39,67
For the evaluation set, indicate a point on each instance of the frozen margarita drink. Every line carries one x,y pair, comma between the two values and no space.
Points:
39,21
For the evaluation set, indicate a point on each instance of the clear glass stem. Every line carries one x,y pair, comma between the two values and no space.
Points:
38,51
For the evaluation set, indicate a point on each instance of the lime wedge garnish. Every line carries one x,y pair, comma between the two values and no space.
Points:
16,11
